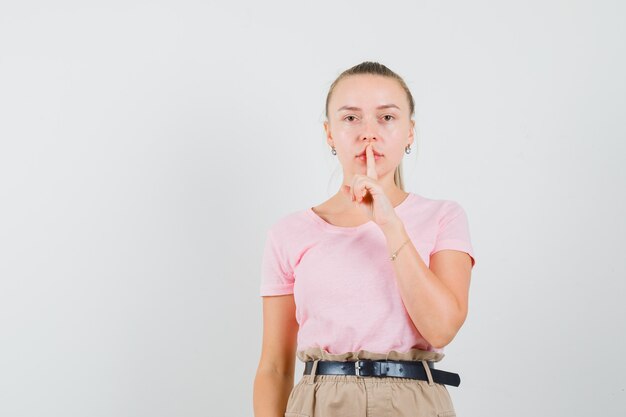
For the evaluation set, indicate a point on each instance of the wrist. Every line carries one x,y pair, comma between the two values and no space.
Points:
393,227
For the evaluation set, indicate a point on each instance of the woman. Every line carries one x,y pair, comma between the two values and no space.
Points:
368,287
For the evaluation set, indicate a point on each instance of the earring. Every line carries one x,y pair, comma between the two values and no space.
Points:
334,152
407,150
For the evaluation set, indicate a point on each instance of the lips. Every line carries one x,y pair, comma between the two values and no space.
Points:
363,154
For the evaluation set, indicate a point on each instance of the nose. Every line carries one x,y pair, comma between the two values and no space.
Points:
369,132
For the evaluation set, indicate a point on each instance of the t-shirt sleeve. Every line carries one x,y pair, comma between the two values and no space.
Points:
454,231
276,273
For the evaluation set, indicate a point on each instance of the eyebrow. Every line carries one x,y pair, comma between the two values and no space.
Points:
384,106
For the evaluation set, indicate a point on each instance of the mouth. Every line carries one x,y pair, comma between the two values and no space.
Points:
363,158
376,154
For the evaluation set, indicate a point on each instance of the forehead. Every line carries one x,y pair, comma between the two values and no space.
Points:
367,92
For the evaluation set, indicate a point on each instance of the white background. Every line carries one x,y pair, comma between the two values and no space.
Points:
146,147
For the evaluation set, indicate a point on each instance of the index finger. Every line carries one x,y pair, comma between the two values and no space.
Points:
371,164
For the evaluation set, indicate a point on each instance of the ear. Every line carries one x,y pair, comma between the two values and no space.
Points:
412,132
329,139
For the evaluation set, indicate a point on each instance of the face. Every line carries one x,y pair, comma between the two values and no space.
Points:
368,108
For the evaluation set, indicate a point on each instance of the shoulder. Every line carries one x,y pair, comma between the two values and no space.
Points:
438,208
289,225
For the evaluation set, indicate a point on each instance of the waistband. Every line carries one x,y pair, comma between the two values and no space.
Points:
419,370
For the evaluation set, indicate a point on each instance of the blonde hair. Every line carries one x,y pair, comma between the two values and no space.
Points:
375,68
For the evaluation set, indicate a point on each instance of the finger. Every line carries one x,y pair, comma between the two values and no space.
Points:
355,188
347,191
360,188
371,164
363,187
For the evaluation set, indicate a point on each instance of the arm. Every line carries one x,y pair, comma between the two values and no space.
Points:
436,298
275,373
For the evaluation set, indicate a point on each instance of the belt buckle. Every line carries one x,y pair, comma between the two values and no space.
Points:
357,368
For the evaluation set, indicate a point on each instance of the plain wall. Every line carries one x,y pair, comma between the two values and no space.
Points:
146,147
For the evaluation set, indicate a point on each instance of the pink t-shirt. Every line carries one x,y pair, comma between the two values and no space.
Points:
342,280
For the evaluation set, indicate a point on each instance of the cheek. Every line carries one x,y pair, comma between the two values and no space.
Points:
395,132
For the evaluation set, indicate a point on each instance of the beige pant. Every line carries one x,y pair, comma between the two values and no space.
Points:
354,396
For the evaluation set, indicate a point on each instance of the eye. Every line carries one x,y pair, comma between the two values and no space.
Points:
348,116
388,115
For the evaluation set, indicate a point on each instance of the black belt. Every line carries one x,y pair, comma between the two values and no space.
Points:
383,368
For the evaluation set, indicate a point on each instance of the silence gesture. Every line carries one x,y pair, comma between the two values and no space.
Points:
368,194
